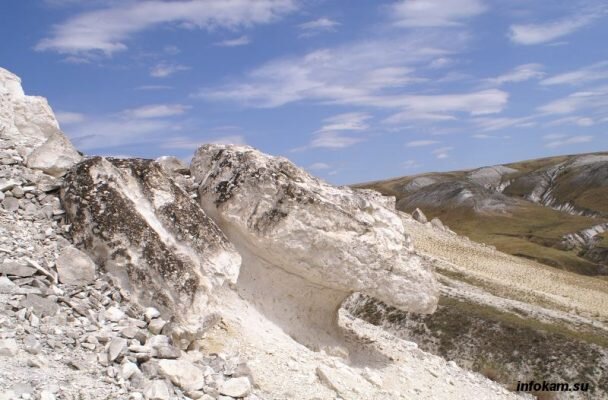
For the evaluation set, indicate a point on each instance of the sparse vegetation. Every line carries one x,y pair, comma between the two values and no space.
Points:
524,228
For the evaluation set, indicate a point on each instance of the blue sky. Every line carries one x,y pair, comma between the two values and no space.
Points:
351,90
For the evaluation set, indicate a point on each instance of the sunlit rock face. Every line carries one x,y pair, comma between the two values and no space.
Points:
307,245
148,234
28,124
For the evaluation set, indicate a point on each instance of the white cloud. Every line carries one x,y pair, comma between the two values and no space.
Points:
520,73
318,166
171,50
435,13
530,34
163,70
355,121
365,74
114,131
69,118
360,73
442,152
553,136
408,116
474,103
333,140
596,99
494,124
232,139
240,41
331,136
410,164
440,62
574,120
108,30
481,136
591,73
181,143
156,111
154,87
565,140
421,143
322,24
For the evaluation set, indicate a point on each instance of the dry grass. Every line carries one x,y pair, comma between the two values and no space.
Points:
530,230
517,278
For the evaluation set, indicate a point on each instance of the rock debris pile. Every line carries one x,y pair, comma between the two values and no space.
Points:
141,279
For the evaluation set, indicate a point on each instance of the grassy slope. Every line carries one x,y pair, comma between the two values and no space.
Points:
531,231
506,344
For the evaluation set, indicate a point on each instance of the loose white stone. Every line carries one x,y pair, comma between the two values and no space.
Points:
182,373
46,395
157,390
150,313
156,325
8,347
114,314
236,387
75,267
128,369
117,347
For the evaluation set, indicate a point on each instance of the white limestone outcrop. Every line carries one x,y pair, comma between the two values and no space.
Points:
149,235
28,124
307,245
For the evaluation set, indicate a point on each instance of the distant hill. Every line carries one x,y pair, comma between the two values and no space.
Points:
553,210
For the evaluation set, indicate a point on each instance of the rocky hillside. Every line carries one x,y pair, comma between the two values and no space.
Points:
143,279
537,314
552,210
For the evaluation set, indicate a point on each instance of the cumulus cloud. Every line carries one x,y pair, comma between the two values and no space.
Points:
108,30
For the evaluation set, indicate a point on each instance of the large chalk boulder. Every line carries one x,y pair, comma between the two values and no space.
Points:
307,245
29,125
148,234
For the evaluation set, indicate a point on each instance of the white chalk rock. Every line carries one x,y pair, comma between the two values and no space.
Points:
29,124
236,387
182,373
75,267
307,245
172,165
149,235
157,390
